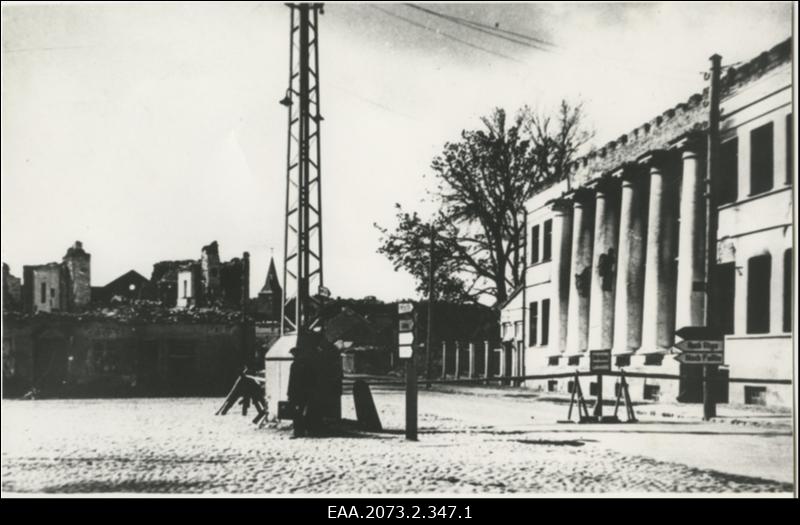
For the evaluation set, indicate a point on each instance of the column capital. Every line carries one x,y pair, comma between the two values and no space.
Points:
560,205
580,196
626,173
657,158
689,145
604,185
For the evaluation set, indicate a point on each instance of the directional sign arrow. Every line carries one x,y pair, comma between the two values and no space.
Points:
702,333
700,346
700,358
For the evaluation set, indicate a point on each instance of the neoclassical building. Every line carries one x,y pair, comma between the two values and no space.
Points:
616,253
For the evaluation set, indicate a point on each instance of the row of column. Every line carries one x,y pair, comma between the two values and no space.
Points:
515,368
614,282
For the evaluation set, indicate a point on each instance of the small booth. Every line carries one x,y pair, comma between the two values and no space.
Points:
327,369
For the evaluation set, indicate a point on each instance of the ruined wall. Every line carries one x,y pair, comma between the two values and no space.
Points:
78,276
12,290
73,357
43,288
210,268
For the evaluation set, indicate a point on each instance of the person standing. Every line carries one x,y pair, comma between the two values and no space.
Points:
299,391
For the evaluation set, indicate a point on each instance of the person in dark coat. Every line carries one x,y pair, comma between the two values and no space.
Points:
299,391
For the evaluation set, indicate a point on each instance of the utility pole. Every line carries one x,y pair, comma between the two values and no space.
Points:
429,335
712,190
302,263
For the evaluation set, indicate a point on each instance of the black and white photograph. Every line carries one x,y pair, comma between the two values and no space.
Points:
399,251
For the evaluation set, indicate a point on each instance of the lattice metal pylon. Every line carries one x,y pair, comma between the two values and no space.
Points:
302,262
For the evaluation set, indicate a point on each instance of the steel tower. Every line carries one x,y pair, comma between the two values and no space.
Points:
302,248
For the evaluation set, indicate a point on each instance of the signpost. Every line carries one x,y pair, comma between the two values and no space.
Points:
705,347
405,342
599,361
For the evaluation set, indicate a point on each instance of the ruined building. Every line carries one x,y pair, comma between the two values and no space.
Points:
12,290
205,282
59,286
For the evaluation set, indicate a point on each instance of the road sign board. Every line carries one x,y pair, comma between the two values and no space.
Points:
406,325
700,333
405,352
600,360
405,308
700,358
405,338
693,345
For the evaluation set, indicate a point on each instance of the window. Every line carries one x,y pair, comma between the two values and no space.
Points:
755,395
761,159
552,361
593,388
535,244
787,290
552,385
726,296
758,281
545,322
653,359
43,293
623,360
533,323
574,360
185,288
651,392
52,293
789,149
547,247
729,171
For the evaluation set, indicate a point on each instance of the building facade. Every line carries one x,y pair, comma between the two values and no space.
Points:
616,253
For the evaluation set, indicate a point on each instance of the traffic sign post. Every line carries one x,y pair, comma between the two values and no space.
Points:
405,350
599,361
703,346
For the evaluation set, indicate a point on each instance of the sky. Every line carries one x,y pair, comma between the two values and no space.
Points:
149,130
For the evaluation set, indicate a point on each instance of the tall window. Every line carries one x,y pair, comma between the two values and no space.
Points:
789,149
533,323
787,290
185,288
535,244
43,293
759,271
726,296
729,171
547,247
545,322
761,176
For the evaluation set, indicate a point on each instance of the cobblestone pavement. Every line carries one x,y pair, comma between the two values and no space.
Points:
467,444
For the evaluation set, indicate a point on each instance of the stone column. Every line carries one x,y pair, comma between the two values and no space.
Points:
458,352
604,262
691,295
486,359
444,359
514,361
580,273
658,319
560,277
471,360
630,262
